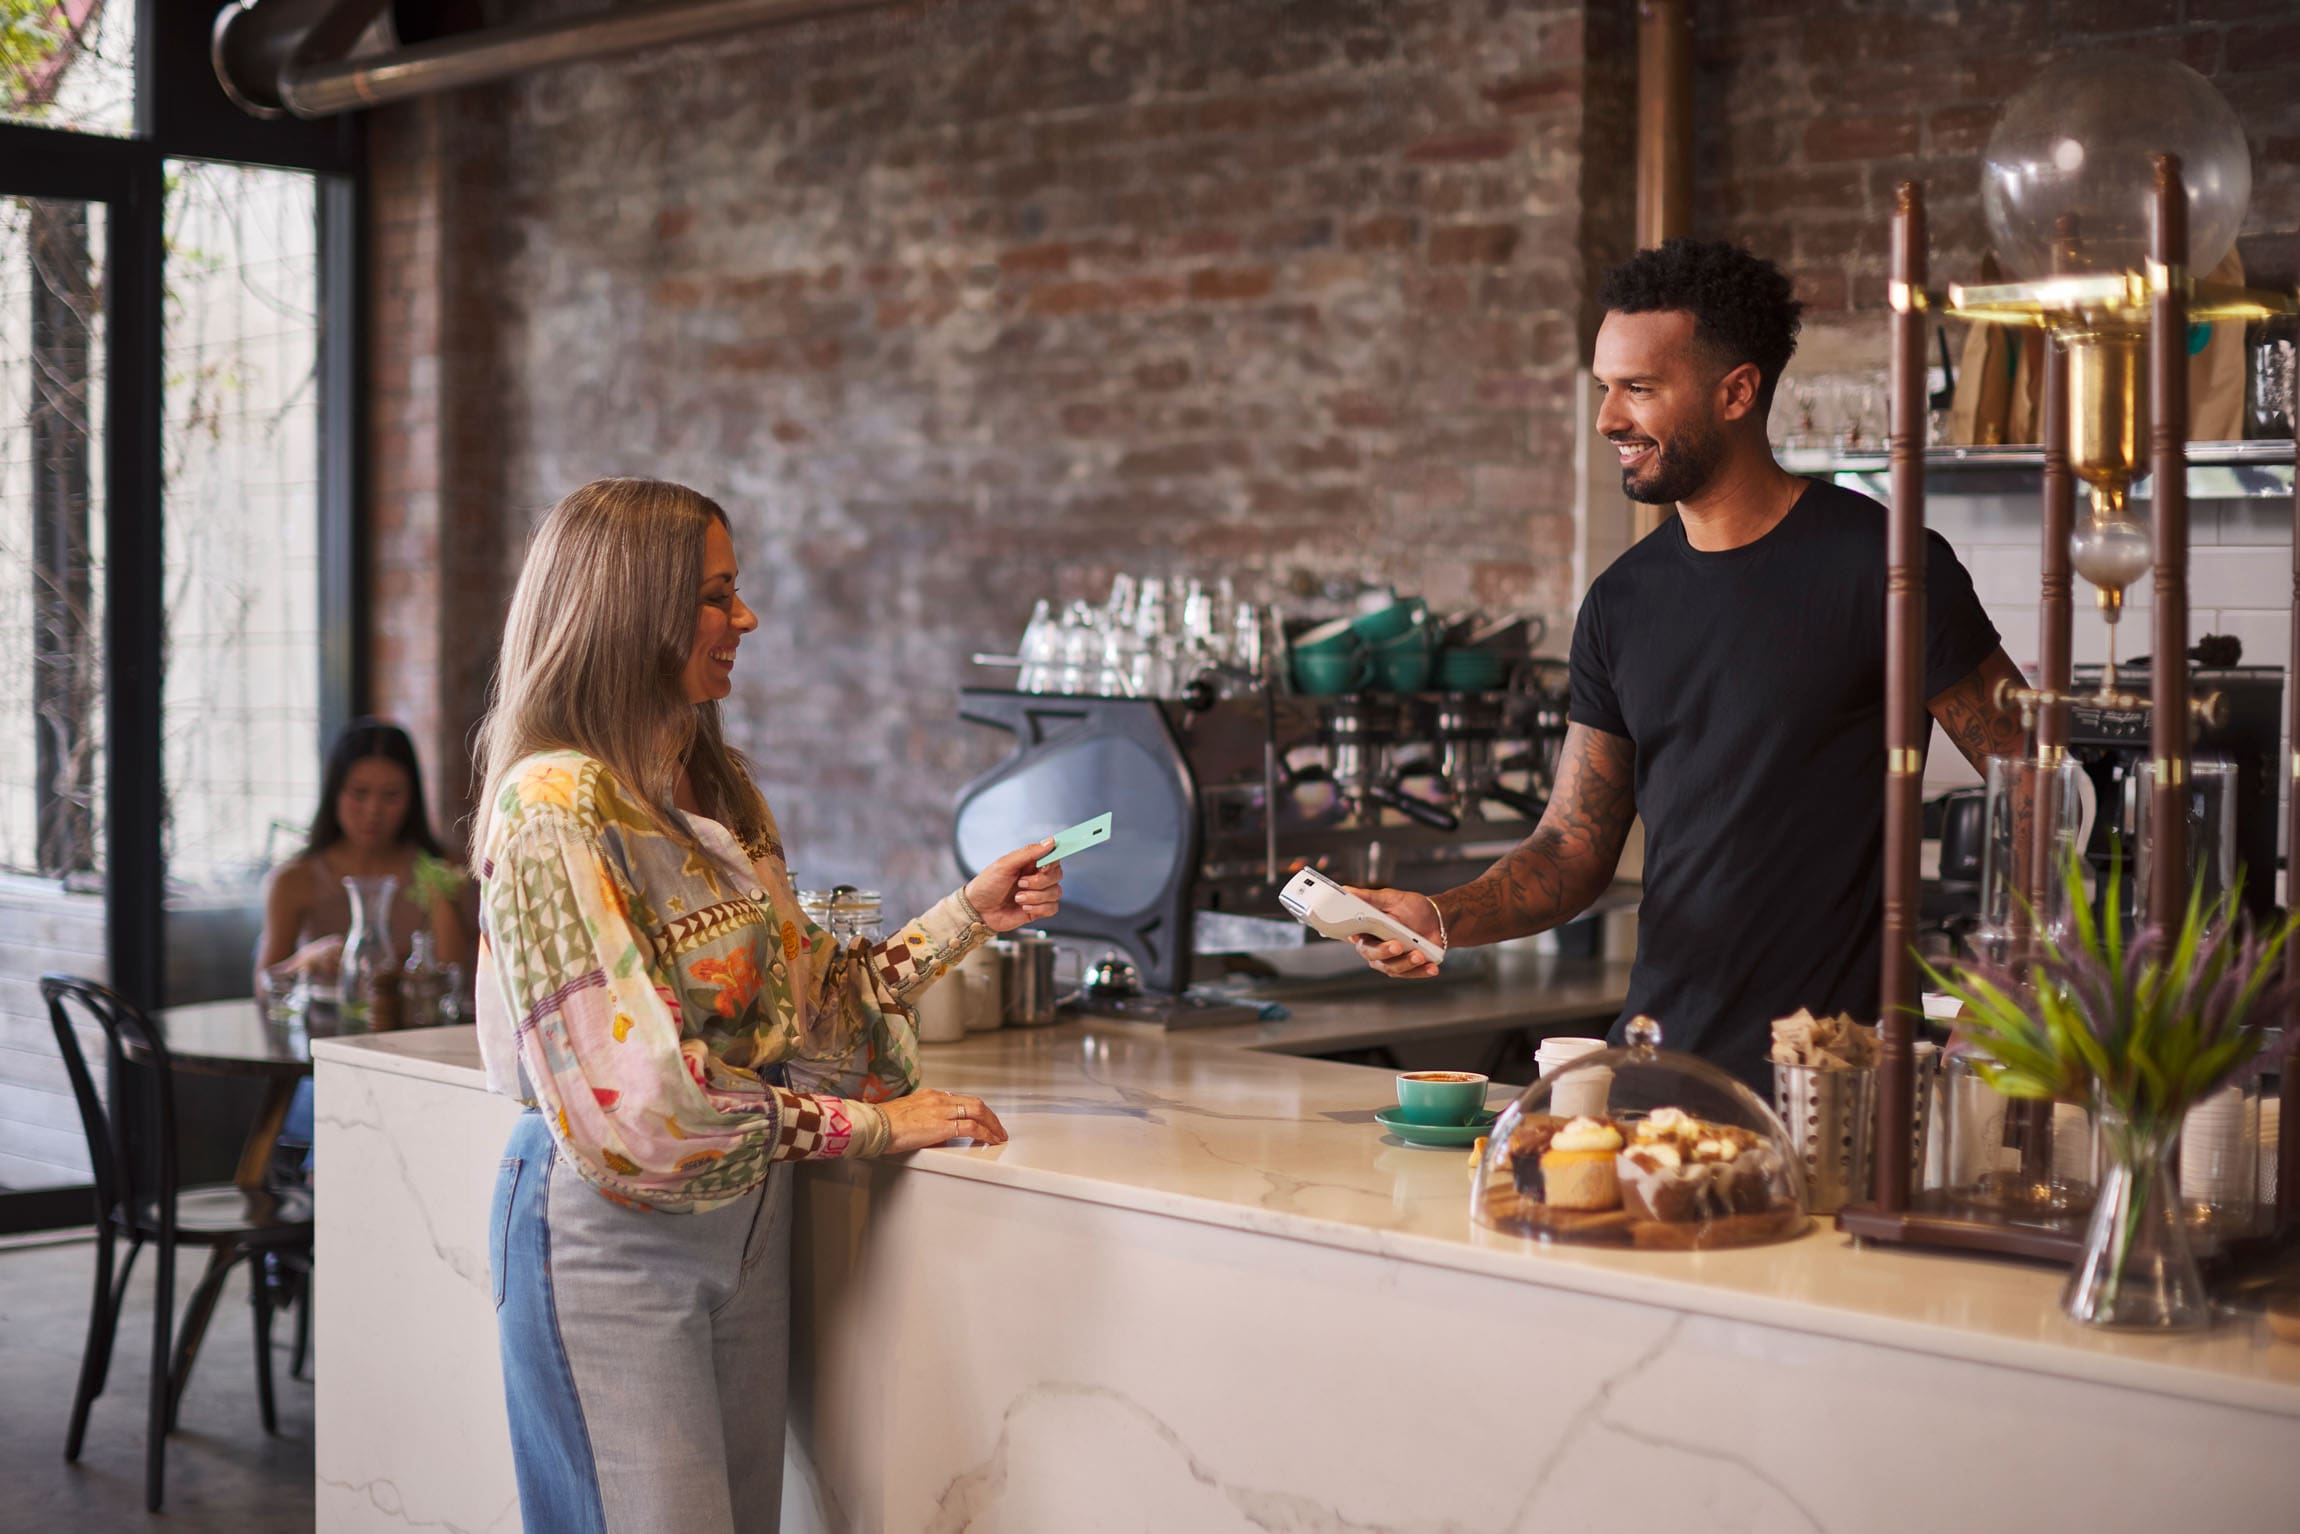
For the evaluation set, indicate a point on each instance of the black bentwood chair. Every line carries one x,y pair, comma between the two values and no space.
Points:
132,1149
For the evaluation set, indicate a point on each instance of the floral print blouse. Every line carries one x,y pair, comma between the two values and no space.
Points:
673,1013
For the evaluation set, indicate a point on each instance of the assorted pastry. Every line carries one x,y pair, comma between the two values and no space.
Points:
1667,1167
1824,1043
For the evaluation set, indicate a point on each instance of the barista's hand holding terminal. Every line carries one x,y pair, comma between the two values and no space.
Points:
1728,684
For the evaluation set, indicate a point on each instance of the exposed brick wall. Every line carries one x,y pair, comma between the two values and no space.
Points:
961,307
1811,113
436,525
403,543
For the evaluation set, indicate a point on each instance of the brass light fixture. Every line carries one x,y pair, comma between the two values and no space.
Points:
2066,185
2107,185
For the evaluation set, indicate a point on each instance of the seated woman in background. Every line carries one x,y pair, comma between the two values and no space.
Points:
371,825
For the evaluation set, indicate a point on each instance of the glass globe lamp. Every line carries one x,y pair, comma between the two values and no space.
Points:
2077,144
2067,185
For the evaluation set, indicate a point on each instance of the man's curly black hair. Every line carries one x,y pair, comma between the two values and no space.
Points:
1740,303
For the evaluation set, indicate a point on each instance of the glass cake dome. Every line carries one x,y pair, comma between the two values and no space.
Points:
1640,1147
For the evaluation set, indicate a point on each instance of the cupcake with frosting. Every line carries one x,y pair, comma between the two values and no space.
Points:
1578,1169
1677,1168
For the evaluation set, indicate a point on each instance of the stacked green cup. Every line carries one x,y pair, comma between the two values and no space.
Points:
1330,659
1398,644
1403,664
1461,670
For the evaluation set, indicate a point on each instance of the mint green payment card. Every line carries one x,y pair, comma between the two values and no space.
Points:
1078,838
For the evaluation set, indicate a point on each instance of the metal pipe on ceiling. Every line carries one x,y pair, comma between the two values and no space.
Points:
275,56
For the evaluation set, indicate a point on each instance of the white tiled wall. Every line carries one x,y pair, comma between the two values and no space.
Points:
2239,582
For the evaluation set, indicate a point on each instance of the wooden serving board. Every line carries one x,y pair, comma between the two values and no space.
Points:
1508,1210
1778,1223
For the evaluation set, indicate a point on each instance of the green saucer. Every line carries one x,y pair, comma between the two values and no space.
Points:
1435,1134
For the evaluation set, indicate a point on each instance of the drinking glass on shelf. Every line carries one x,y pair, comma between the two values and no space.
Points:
1040,650
1081,652
1198,615
1120,608
1120,648
1860,416
2211,801
1799,409
1151,668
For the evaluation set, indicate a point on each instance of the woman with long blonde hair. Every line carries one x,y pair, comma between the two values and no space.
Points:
677,1027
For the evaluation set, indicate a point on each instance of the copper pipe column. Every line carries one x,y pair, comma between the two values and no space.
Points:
1664,122
2054,607
2288,1130
1664,146
2168,873
1905,723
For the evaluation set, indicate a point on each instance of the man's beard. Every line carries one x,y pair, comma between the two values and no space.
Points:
1678,469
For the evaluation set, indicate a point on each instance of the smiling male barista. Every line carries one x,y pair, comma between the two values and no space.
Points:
1728,685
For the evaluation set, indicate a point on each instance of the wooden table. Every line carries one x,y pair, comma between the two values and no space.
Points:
234,1038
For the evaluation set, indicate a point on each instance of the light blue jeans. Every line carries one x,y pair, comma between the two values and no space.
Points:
645,1355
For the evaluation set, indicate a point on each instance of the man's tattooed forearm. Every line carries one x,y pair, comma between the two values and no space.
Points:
1554,874
1969,715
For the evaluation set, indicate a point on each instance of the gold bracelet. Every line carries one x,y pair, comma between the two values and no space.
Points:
1440,915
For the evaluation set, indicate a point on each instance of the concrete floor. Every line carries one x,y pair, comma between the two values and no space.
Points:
223,1473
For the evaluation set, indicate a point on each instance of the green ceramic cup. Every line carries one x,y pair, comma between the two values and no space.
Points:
1403,665
1440,1097
1469,670
1388,623
1323,673
1337,637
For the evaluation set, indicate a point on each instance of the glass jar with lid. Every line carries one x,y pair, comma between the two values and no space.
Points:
1640,1146
843,911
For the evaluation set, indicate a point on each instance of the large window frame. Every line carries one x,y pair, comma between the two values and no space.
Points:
182,114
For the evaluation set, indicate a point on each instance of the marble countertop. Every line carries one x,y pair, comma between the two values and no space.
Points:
1217,1126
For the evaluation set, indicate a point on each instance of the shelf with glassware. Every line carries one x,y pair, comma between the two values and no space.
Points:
2217,471
2077,187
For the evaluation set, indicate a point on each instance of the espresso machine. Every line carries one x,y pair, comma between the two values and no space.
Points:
1220,798
2244,727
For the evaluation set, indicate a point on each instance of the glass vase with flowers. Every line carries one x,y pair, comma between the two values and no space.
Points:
2136,1027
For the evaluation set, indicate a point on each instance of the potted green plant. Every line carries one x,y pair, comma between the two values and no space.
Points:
2135,1027
435,880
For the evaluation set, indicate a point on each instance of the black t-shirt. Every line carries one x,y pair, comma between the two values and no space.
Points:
1752,684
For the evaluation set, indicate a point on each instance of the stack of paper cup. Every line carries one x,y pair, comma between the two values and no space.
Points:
2268,1138
940,1011
2218,1150
1925,1064
980,981
1582,1094
1974,1115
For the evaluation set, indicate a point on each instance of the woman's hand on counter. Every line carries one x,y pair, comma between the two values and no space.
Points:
1400,961
929,1118
1014,891
321,956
